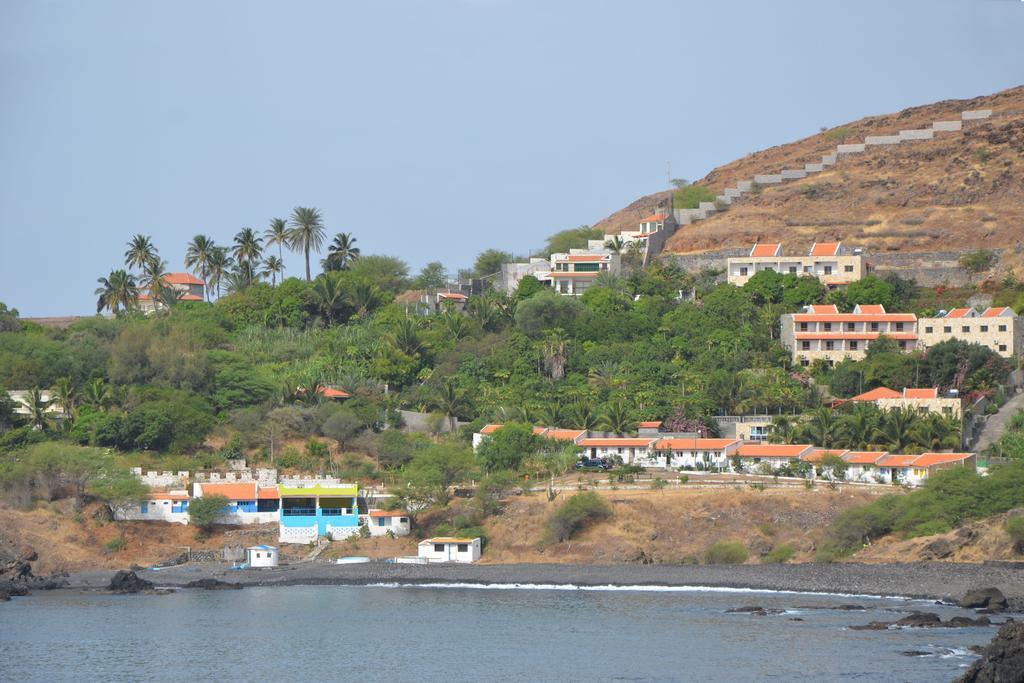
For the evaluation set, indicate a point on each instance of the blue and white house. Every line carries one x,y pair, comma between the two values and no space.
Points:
170,506
313,509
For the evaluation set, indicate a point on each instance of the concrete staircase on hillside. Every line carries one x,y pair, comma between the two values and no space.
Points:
731,194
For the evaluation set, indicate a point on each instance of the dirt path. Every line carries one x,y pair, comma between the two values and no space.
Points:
995,425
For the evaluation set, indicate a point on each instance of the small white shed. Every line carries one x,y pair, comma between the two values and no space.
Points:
380,522
446,549
261,556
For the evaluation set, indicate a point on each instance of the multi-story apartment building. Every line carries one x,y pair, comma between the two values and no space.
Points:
821,331
827,261
573,273
1000,329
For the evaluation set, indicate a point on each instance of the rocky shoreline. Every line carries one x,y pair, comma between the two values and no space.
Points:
947,582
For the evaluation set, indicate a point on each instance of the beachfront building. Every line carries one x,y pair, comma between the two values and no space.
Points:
157,506
573,273
914,470
22,399
827,261
380,522
631,450
248,502
691,454
768,457
445,549
1000,329
187,287
312,508
258,556
822,332
921,400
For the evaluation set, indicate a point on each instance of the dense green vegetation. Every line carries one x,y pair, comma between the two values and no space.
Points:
576,514
690,196
726,552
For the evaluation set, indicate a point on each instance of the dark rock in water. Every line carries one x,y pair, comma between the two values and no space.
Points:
128,582
915,653
14,588
872,626
795,619
957,622
1002,660
992,598
976,649
213,585
44,583
747,608
851,608
920,619
4,597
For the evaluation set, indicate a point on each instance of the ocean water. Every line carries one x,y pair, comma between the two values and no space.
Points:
461,633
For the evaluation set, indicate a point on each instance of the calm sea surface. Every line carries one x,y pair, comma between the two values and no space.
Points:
323,633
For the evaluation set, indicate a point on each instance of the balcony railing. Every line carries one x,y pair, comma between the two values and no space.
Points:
335,512
298,512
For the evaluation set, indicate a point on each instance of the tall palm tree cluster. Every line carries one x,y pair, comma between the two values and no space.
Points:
232,267
865,427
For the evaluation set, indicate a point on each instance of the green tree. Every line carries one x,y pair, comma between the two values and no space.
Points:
450,400
248,248
508,447
277,234
65,394
272,266
140,251
896,430
868,290
205,511
573,238
197,257
121,490
306,232
117,292
342,426
220,263
38,409
427,479
576,514
618,418
858,428
432,276
489,262
547,310
527,287
388,273
341,252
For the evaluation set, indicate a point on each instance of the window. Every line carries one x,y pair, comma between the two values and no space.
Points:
828,270
403,520
903,345
805,346
743,272
804,362
850,326
1002,347
463,547
1002,328
899,327
829,345
381,521
439,547
853,346
874,327
984,328
803,327
965,328
792,270
828,327
928,329
848,269
947,329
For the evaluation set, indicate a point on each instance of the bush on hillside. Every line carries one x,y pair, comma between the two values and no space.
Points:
576,514
1014,528
780,554
690,196
204,511
726,552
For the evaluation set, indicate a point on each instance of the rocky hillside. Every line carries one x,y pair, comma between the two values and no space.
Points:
960,190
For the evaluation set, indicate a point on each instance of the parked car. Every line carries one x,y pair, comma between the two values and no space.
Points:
593,464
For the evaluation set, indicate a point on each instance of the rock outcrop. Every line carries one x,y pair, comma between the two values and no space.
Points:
990,598
1002,660
213,585
128,582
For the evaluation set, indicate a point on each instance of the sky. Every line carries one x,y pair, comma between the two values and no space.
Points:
430,130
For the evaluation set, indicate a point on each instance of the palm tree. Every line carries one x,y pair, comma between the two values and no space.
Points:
153,276
341,252
823,428
364,297
97,394
896,431
617,419
603,377
858,429
615,244
582,416
239,279
937,432
219,265
63,391
38,416
306,232
405,337
328,296
197,257
484,309
272,266
140,252
550,415
277,234
248,247
116,292
449,400
455,325
783,430
554,350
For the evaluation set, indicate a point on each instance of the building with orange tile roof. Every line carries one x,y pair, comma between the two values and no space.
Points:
764,458
998,328
827,261
248,502
157,506
692,453
822,333
187,287
380,522
573,273
923,400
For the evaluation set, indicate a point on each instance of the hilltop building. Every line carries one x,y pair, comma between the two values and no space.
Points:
188,288
1000,329
573,273
926,400
822,332
827,261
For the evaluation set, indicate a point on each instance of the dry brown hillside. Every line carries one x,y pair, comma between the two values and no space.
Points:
961,190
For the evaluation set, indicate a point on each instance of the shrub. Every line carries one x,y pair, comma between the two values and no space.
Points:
204,511
779,554
726,552
1014,528
690,196
114,545
577,513
683,478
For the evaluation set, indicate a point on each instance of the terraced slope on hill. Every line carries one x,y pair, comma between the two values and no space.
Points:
962,189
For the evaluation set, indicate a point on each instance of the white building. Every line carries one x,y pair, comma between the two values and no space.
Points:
632,450
262,556
380,522
445,549
248,502
171,506
701,454
763,456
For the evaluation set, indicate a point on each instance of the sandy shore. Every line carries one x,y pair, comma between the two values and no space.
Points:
930,580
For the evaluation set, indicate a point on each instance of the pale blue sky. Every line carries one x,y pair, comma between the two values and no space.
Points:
431,130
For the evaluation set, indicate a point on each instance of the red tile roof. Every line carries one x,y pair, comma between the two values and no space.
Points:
854,318
490,429
182,279
873,309
331,392
921,393
825,248
766,250
452,295
651,424
565,434
167,496
654,218
931,459
959,313
773,450
267,493
823,309
586,258
896,460
818,454
388,513
694,444
864,457
875,394
624,442
996,312
231,490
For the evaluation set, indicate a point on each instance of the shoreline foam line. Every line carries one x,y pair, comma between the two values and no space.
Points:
631,588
